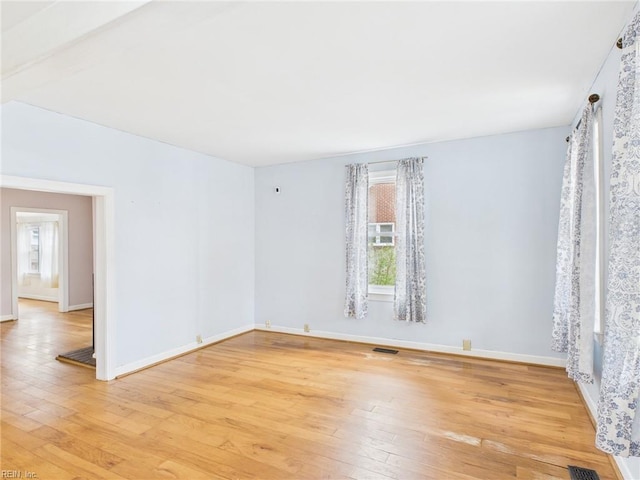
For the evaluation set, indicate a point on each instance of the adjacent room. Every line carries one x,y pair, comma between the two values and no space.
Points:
386,240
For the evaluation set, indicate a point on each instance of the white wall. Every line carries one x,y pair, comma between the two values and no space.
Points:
184,225
492,219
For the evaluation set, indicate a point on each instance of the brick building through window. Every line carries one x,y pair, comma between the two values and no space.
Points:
382,222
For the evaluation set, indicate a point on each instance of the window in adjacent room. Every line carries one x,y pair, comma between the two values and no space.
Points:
34,249
382,231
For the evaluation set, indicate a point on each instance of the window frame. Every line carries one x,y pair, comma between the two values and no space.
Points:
598,166
382,293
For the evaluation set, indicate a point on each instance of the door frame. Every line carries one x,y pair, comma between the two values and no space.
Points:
103,259
63,257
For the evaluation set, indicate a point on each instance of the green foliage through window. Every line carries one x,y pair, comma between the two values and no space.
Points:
382,265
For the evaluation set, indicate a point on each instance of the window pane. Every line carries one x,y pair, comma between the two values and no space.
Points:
382,265
382,203
382,218
34,252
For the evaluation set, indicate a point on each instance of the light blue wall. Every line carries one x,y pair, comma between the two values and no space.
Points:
492,219
184,225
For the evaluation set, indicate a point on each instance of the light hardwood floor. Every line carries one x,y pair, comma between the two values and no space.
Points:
271,406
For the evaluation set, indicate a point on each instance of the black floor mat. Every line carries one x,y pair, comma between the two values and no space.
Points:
82,356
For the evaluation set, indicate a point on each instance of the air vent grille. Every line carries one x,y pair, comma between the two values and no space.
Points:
579,473
385,350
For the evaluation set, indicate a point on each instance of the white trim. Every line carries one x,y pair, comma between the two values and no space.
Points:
190,347
381,293
380,297
427,347
104,260
81,306
382,176
7,318
42,298
621,462
588,400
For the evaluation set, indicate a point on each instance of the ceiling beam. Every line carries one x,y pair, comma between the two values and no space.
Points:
51,29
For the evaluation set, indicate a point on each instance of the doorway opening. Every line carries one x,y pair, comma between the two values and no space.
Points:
39,256
104,265
42,260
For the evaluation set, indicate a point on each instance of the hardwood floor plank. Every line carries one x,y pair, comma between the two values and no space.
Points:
15,457
271,406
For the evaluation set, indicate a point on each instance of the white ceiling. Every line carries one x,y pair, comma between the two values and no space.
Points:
263,83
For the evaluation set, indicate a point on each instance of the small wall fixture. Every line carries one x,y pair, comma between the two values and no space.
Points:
277,190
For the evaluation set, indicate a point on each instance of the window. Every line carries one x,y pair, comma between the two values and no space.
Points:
598,165
382,221
382,234
34,248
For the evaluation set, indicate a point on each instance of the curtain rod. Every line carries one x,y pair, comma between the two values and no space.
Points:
383,161
391,161
593,98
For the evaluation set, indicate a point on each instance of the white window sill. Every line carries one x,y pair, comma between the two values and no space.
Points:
378,293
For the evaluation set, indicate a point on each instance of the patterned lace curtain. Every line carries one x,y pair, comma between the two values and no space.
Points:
356,214
23,252
49,251
574,302
618,408
410,303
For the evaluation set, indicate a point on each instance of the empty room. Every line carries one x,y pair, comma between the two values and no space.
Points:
320,239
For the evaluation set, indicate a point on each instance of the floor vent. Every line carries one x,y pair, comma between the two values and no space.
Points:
385,350
579,473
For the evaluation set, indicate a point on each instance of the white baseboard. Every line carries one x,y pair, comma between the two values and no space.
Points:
427,347
8,318
190,347
81,306
621,462
43,298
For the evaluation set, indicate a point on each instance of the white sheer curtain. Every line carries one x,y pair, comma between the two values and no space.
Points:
574,303
356,215
410,293
49,254
23,251
618,420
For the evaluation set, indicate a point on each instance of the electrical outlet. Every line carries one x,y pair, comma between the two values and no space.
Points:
199,338
466,344
306,327
267,324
